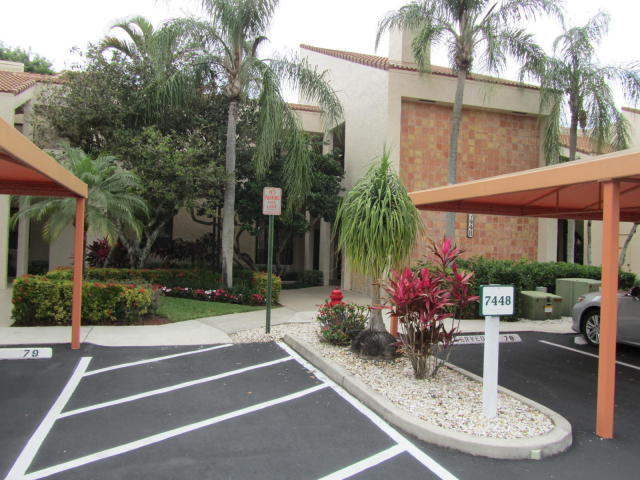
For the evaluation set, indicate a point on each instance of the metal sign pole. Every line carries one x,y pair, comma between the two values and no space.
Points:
269,268
490,367
271,205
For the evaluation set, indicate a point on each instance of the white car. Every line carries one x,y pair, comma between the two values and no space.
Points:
586,317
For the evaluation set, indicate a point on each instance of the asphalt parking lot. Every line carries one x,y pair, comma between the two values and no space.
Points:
223,412
257,411
551,369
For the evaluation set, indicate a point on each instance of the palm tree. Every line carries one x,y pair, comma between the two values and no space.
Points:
162,55
377,225
111,205
231,38
575,85
471,30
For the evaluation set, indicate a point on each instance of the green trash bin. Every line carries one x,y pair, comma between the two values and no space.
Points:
536,305
571,288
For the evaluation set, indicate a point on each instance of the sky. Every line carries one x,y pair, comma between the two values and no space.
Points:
54,28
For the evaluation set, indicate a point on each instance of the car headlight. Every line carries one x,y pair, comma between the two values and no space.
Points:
581,298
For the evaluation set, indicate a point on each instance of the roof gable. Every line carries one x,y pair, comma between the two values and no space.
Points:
383,63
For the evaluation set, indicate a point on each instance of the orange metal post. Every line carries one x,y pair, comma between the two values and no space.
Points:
78,262
608,310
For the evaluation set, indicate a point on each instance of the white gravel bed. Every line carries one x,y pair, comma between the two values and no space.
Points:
450,400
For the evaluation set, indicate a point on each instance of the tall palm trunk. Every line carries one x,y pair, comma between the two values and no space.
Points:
228,209
571,224
453,146
625,247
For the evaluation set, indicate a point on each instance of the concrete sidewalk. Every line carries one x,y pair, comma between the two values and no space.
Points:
298,305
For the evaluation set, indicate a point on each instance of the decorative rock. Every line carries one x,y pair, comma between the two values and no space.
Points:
450,400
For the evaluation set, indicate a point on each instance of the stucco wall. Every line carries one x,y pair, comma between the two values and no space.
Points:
490,143
363,93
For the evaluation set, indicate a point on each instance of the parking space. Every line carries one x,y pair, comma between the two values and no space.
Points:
553,370
229,411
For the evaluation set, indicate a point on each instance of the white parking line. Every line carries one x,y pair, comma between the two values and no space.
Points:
406,445
365,464
171,388
156,359
587,353
159,437
34,443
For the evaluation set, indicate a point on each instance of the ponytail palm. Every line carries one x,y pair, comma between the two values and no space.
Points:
230,40
473,31
111,205
377,225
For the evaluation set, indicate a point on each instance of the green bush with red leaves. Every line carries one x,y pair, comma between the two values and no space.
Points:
39,300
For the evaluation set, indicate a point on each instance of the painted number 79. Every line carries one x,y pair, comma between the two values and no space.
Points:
495,300
31,352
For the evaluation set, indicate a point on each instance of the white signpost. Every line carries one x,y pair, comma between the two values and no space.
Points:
271,205
495,301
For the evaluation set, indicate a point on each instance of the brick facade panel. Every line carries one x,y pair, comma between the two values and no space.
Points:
490,144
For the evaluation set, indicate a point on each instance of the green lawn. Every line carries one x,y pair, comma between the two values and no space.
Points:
179,309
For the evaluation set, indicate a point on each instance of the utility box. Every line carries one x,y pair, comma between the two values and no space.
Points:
571,288
539,305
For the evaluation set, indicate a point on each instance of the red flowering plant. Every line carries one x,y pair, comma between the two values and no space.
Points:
423,301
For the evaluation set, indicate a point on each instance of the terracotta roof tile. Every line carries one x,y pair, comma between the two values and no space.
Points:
584,145
383,63
304,108
17,82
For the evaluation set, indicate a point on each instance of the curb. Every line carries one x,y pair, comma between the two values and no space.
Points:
551,443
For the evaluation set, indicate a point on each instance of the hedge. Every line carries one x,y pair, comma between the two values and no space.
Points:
39,300
526,275
184,278
168,277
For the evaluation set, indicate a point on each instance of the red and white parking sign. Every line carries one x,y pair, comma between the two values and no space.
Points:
271,201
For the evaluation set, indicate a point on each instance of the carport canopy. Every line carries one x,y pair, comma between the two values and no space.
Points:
605,188
27,170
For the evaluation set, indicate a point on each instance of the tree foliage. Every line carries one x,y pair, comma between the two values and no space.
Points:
230,39
112,205
33,62
576,89
108,105
321,200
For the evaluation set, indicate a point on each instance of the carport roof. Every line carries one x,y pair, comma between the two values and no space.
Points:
568,190
27,170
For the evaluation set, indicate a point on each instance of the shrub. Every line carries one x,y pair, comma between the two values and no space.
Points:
339,324
423,300
168,277
526,275
240,296
259,285
39,300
